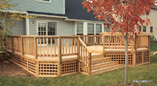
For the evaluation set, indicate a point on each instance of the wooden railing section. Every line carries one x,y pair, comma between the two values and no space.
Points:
142,41
47,46
116,41
69,45
84,57
90,39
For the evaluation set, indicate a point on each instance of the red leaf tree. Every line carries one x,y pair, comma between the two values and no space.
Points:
123,15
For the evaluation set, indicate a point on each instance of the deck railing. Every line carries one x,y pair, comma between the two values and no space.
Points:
84,57
69,45
91,39
51,46
117,41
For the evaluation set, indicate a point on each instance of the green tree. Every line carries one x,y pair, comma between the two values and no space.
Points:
7,21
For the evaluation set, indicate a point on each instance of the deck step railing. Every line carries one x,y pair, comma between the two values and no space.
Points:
84,57
91,39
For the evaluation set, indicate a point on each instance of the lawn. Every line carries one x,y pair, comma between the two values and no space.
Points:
113,78
153,47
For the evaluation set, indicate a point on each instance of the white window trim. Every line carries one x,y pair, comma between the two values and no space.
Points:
44,1
85,27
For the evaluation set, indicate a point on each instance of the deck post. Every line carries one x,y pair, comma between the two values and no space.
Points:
22,49
100,39
149,47
135,51
78,52
59,57
89,63
35,48
12,44
37,68
103,41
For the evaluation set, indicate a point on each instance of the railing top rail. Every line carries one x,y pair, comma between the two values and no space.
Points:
42,36
88,35
84,44
118,33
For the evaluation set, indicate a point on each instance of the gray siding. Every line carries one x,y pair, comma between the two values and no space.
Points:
56,6
19,28
63,27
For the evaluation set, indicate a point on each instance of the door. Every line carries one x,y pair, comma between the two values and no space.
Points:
51,30
42,31
46,29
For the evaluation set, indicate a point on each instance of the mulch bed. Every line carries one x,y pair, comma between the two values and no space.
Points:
10,69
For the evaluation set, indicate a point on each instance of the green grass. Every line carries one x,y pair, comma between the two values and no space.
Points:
144,72
153,47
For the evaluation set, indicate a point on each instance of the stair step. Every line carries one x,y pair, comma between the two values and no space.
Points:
97,56
100,60
106,69
104,64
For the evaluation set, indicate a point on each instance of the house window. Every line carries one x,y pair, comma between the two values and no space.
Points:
147,12
144,28
139,28
79,28
98,29
151,29
90,29
45,1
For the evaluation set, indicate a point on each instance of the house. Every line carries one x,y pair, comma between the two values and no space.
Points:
55,17
152,28
51,56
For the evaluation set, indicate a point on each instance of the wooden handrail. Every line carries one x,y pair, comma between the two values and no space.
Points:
87,57
84,44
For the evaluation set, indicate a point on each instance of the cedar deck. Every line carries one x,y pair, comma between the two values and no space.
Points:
52,56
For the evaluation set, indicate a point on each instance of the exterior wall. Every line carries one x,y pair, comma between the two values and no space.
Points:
152,16
56,6
18,28
63,27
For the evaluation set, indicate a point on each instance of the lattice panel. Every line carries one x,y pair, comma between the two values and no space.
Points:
47,68
146,56
120,57
69,67
138,57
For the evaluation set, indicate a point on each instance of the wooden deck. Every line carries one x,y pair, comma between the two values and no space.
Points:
52,56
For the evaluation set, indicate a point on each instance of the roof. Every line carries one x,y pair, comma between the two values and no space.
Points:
73,10
46,13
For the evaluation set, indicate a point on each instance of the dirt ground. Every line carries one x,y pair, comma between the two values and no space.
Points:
10,69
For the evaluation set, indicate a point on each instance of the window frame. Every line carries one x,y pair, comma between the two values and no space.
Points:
145,29
77,28
147,12
96,28
44,1
92,28
151,29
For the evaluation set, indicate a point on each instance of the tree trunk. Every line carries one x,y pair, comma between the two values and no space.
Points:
126,59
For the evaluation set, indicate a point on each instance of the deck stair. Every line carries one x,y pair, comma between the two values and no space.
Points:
101,65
